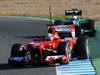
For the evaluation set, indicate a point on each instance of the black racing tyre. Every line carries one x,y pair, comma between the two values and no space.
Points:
17,50
58,22
92,34
63,49
89,24
82,49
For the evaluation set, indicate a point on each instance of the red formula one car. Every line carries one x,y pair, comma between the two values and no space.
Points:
49,50
42,50
78,44
63,31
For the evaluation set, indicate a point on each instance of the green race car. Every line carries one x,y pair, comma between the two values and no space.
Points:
84,26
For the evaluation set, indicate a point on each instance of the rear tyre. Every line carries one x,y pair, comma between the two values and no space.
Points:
82,49
92,34
89,27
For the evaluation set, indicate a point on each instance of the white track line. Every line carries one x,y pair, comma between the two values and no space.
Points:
27,18
76,67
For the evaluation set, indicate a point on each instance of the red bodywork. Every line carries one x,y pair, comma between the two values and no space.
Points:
52,45
45,45
47,49
69,29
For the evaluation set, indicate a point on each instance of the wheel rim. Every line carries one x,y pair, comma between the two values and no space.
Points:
21,48
68,51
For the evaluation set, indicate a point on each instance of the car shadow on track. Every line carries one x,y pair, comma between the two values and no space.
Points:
6,66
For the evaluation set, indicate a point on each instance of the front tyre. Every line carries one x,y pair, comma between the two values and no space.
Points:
17,50
63,49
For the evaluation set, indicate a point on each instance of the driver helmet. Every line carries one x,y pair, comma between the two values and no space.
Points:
51,36
75,17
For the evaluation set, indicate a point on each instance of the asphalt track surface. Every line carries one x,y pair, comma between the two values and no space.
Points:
18,29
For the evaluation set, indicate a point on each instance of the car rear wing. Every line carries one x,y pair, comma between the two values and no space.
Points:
73,12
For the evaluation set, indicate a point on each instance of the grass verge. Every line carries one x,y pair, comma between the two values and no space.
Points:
37,16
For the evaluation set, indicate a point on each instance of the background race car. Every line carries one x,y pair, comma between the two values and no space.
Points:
83,26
